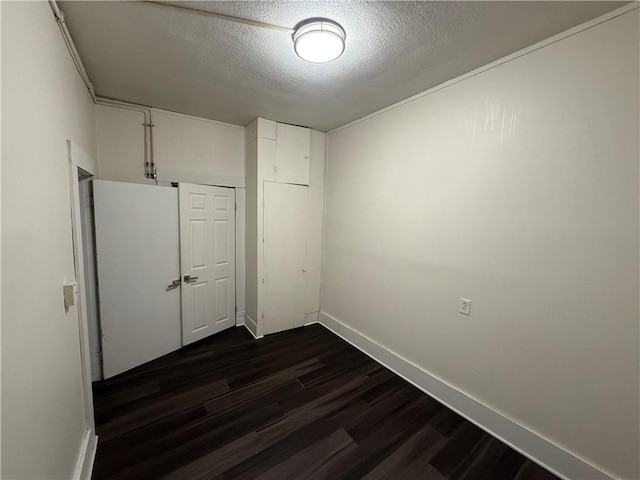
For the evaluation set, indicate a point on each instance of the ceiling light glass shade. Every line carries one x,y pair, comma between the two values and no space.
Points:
319,41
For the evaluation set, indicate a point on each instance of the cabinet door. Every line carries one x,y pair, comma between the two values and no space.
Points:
293,152
285,209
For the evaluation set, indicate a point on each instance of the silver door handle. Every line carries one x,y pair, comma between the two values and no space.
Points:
174,284
189,278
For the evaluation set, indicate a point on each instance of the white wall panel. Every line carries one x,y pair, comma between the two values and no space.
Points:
516,188
120,144
195,145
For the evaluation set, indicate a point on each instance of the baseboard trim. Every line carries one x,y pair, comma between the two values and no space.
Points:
86,456
240,318
252,326
532,445
310,318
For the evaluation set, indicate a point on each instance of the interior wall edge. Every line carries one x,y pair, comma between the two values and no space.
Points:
536,447
252,326
634,5
86,456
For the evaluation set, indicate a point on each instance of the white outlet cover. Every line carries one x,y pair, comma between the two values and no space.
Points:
465,306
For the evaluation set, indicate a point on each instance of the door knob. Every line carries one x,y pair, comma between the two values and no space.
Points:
190,279
174,284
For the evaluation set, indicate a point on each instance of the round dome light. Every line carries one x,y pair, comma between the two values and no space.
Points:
319,40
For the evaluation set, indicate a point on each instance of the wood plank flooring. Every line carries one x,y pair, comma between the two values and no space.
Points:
295,405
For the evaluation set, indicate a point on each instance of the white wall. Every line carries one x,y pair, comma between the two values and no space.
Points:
185,148
44,104
518,189
186,145
120,144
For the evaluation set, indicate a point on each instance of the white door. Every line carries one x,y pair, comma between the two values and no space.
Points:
137,259
285,212
207,259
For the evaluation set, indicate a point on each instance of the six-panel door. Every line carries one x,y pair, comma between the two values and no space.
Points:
207,259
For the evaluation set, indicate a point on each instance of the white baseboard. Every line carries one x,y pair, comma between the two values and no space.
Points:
541,450
239,318
310,318
252,326
86,456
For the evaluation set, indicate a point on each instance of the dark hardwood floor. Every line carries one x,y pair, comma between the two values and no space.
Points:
299,404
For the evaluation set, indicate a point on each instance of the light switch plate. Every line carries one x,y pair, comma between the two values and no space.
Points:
465,306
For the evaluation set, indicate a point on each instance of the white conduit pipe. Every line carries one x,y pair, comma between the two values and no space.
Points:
221,16
149,165
72,48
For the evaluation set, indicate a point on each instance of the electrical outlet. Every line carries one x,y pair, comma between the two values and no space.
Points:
465,306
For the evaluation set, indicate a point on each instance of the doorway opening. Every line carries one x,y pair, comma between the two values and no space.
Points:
87,222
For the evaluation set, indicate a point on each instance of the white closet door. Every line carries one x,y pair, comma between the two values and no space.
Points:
285,211
137,259
207,259
292,154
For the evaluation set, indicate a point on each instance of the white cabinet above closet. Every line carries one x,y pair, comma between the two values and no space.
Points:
293,150
285,151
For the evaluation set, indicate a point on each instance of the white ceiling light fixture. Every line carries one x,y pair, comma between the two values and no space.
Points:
319,40
316,40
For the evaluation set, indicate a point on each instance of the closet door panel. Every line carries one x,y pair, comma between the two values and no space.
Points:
285,208
293,153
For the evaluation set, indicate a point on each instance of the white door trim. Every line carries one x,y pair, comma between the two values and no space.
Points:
86,456
77,158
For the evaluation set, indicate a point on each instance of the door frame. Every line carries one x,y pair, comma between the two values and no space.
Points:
78,161
91,279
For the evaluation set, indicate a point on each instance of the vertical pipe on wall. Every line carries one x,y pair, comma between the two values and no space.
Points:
149,164
152,166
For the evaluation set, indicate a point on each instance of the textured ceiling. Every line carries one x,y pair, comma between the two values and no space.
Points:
212,68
